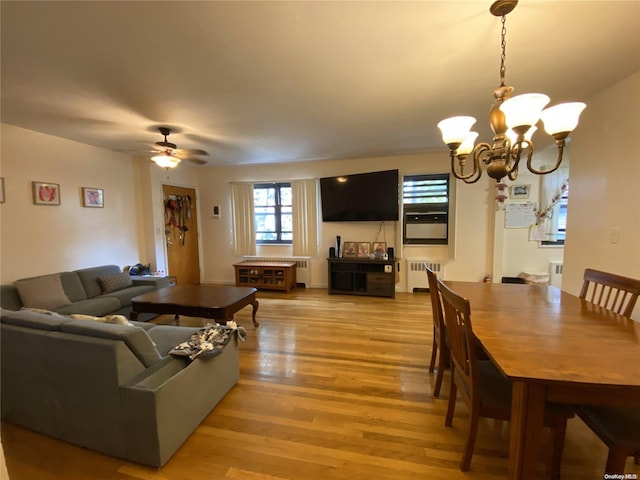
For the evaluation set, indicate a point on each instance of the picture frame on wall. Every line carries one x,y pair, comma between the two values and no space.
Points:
519,191
364,249
46,193
379,249
350,249
92,197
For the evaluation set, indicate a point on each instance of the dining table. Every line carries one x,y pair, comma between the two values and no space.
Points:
554,347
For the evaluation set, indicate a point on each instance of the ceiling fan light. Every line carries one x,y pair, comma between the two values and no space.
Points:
562,117
165,160
455,129
523,110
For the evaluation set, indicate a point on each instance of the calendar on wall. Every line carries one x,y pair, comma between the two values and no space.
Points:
520,215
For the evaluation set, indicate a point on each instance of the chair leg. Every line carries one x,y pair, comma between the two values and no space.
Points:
443,363
615,461
470,443
434,352
451,406
559,433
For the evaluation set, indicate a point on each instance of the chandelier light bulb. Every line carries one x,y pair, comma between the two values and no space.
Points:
562,118
466,147
513,136
524,109
455,129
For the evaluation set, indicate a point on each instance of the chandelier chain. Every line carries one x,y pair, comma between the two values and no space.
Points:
503,44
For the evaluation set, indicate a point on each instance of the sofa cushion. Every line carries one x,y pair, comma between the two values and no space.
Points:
89,278
44,292
72,286
135,337
125,295
95,306
113,283
167,337
31,319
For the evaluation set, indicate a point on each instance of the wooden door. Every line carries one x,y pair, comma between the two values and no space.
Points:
181,234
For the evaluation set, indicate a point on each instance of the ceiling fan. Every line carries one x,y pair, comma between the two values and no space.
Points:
168,155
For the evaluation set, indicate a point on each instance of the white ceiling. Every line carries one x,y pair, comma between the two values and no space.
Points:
258,82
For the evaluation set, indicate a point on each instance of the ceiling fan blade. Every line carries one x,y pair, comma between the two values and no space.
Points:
191,151
198,161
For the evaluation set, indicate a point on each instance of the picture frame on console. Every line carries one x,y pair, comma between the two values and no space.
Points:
350,249
364,249
379,249
45,193
92,197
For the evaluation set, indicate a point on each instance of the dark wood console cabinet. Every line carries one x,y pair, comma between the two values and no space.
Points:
362,276
266,275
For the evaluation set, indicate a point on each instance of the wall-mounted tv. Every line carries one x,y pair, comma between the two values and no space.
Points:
362,197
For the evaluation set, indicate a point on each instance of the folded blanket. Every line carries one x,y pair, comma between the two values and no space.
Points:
208,341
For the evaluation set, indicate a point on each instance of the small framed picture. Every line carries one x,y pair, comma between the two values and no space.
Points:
379,249
92,197
45,193
519,191
1,189
350,249
364,249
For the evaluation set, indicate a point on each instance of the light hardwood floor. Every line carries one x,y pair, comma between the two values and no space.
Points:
331,387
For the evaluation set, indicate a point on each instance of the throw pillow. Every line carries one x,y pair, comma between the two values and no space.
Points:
113,283
44,292
115,319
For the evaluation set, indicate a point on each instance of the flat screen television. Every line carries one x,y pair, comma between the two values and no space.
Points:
362,197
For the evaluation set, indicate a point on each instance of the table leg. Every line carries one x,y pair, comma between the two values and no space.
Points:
133,315
527,421
255,305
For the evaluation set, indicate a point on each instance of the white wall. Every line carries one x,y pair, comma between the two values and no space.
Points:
38,239
605,187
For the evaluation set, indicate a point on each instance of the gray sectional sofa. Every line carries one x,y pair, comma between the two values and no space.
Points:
111,388
96,291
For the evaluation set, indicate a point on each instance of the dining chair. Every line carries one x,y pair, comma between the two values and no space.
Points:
608,290
439,347
482,386
619,430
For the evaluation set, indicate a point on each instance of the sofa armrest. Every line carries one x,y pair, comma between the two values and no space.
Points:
160,408
158,282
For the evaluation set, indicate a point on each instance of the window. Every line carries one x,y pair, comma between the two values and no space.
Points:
561,232
272,210
425,201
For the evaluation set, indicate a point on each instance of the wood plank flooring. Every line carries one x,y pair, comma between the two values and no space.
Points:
331,387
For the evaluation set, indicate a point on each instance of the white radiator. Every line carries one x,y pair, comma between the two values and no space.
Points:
303,266
417,276
555,274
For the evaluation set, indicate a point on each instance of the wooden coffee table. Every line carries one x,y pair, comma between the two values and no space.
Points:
207,301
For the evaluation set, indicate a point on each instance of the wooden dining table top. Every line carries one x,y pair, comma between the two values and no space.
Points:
543,334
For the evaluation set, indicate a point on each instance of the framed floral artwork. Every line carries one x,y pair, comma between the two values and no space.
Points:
364,249
92,197
45,193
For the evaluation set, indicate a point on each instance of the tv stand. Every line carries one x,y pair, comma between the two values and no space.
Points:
362,276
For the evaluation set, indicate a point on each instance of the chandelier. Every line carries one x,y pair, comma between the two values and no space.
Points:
513,122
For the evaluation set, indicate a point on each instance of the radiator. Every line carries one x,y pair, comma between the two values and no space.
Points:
303,266
417,276
555,274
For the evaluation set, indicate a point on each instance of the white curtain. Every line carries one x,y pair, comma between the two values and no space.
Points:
305,218
244,232
552,186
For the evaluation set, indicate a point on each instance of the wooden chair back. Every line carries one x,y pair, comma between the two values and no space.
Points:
608,290
439,346
457,318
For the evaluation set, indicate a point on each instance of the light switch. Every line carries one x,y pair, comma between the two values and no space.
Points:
614,235
215,211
